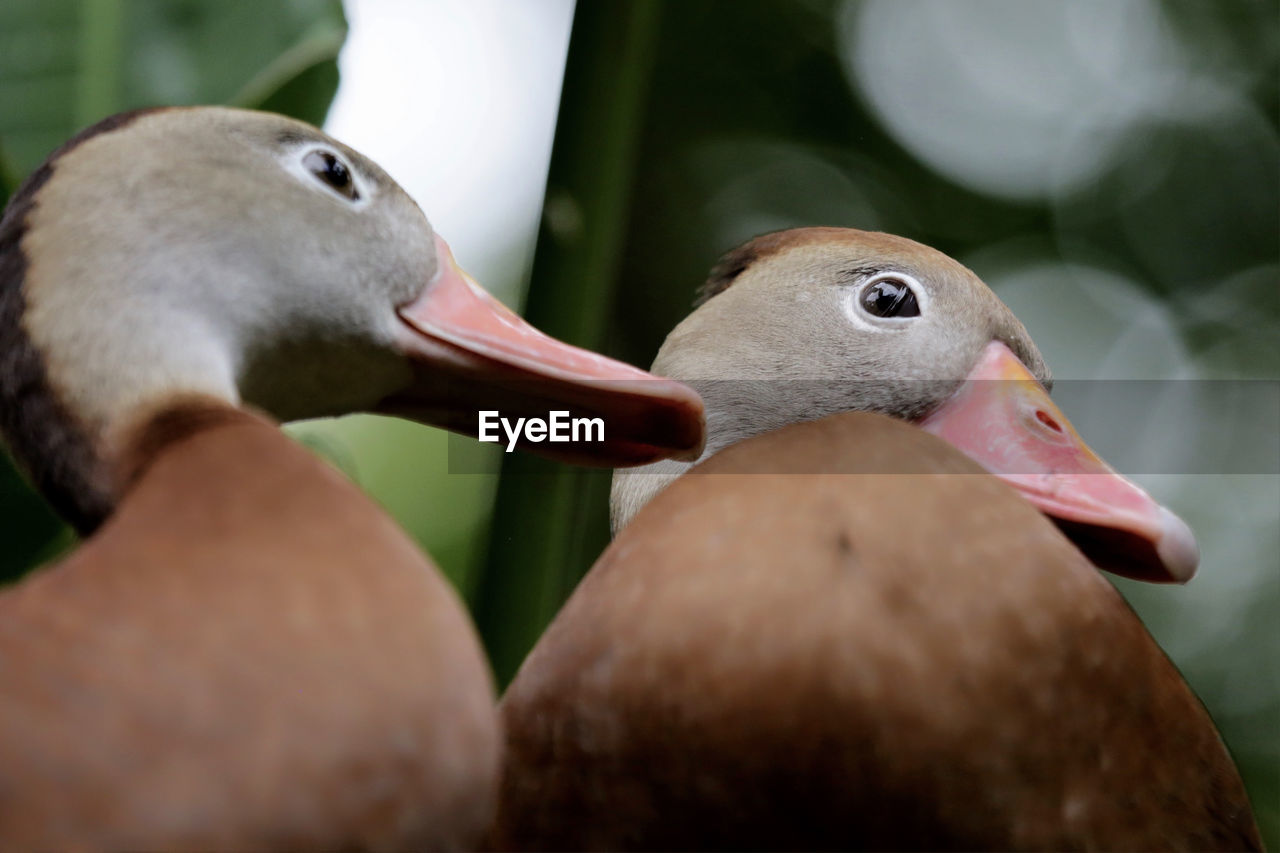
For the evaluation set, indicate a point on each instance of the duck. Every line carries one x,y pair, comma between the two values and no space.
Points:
870,615
244,651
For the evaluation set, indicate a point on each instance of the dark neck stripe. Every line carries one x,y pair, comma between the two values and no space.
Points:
46,439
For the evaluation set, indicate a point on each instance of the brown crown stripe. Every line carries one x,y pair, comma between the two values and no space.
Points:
735,261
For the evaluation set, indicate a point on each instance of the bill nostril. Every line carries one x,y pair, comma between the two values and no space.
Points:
1048,420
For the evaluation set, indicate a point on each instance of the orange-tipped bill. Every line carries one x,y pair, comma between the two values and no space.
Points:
1003,418
472,354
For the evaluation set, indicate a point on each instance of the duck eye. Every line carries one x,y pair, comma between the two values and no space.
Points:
889,297
326,166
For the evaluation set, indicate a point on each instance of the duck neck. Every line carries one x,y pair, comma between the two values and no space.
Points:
71,396
634,487
736,409
83,355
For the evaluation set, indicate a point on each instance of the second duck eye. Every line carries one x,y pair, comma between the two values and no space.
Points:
326,166
889,297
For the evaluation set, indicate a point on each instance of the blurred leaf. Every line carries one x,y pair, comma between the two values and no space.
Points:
328,446
30,527
306,96
6,179
65,64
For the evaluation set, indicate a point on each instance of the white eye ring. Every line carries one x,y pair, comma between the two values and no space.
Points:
857,313
297,162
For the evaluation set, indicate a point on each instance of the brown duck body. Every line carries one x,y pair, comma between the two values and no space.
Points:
249,653
844,635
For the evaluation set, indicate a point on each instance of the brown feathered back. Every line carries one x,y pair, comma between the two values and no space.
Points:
249,653
794,647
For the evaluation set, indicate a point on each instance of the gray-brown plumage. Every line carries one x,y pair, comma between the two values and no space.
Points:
782,652
246,652
836,631
772,342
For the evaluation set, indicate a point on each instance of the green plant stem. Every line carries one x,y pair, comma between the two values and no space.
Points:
549,519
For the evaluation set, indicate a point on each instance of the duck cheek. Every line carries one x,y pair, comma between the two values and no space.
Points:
1003,419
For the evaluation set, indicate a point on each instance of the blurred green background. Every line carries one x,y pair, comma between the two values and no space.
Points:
1110,167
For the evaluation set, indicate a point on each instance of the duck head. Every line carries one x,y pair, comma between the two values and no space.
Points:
249,257
799,324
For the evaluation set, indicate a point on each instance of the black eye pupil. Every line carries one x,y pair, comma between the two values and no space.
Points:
328,168
890,298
